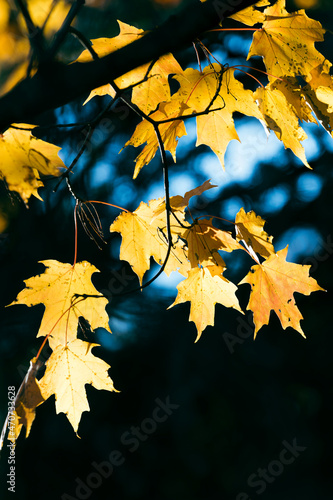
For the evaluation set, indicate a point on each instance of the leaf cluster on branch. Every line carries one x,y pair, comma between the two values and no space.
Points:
298,88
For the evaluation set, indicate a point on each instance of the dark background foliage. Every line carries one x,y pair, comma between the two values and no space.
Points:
238,401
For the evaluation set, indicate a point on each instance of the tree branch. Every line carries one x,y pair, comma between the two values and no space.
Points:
56,84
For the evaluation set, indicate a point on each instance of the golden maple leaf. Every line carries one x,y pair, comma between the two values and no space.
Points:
280,116
273,285
198,89
295,97
23,158
204,241
148,94
251,16
68,369
170,133
286,42
204,287
59,288
144,235
105,46
180,203
250,230
319,93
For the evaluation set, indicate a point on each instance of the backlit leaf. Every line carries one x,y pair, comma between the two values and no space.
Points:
216,129
204,290
69,368
62,288
280,117
251,16
144,235
23,158
286,42
250,230
148,94
273,285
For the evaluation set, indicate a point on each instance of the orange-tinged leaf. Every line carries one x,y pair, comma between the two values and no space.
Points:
204,290
23,158
59,289
286,42
250,230
144,235
280,117
69,368
273,285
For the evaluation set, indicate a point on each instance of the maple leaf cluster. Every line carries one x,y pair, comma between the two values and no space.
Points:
196,254
162,229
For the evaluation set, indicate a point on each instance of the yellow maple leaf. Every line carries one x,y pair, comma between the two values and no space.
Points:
251,16
204,241
250,230
59,288
204,289
23,158
69,368
319,92
273,284
179,203
105,46
295,97
280,117
170,133
144,235
286,42
197,89
148,94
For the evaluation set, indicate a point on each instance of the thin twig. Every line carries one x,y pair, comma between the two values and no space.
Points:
84,41
61,34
